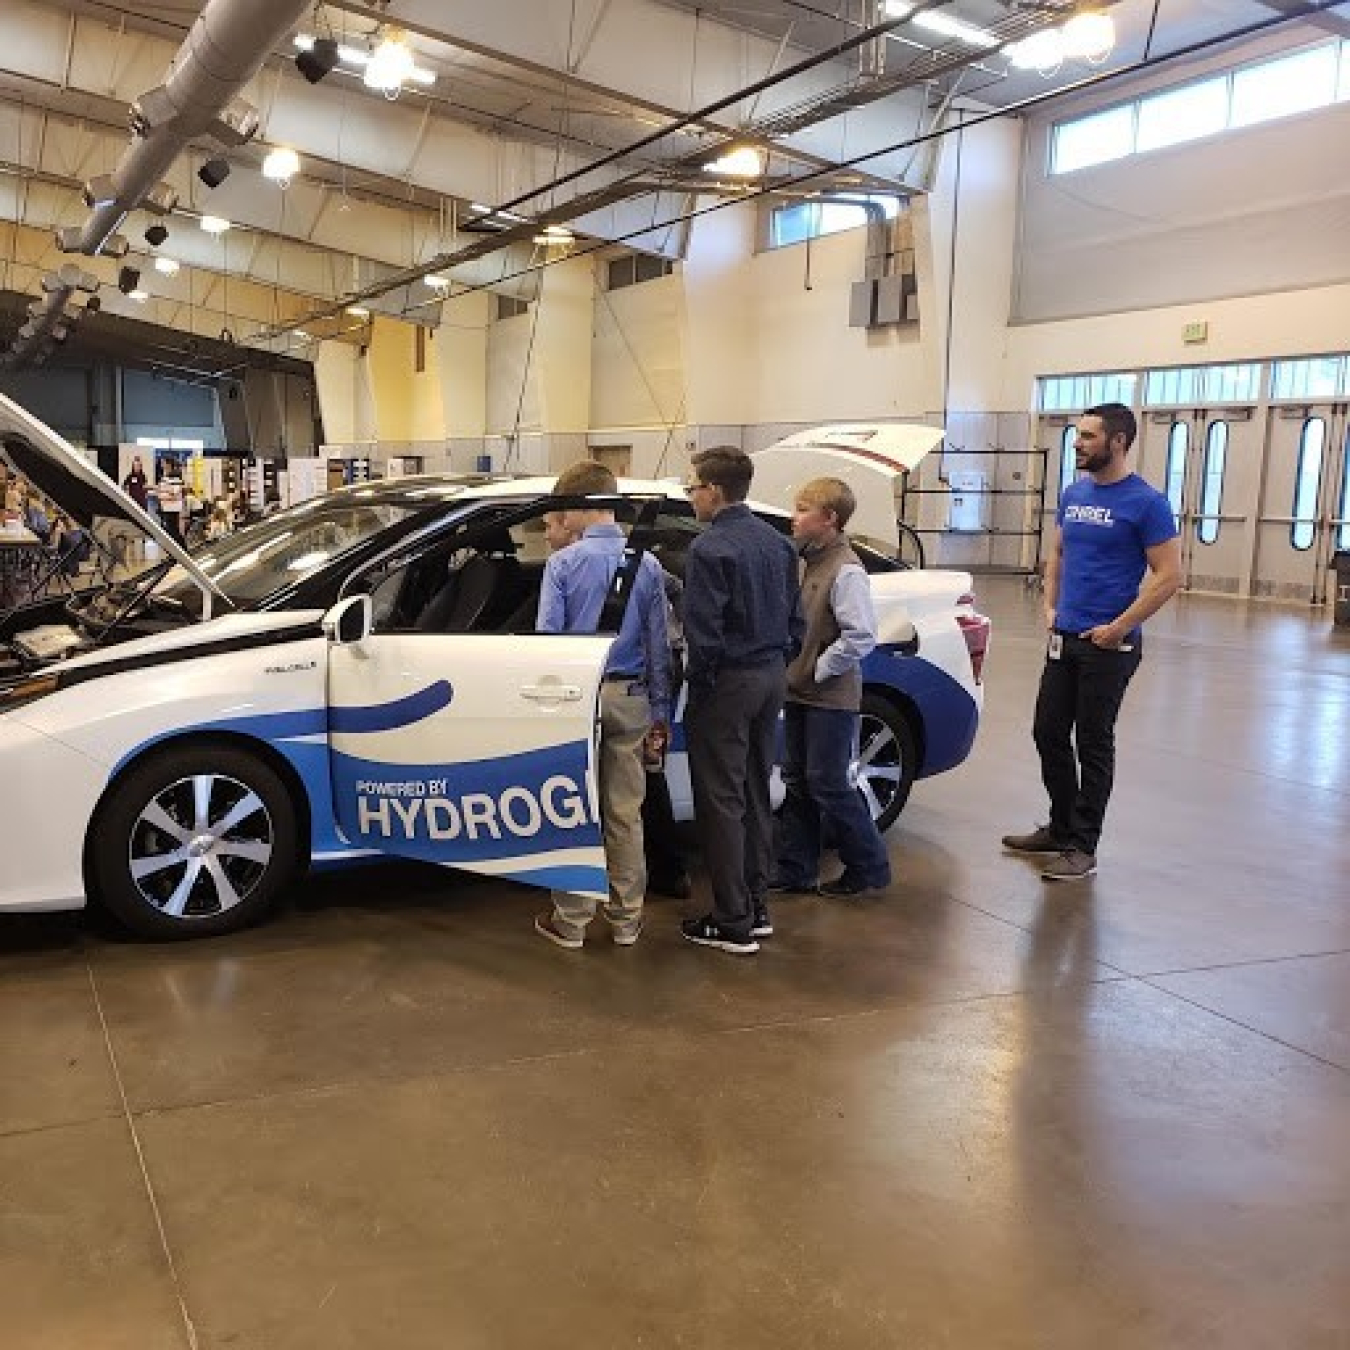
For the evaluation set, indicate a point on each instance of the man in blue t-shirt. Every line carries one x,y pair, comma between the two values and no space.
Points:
1113,531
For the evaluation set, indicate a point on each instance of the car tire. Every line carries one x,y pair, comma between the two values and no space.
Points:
194,842
887,761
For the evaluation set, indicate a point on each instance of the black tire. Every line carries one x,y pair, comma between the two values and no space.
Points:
156,850
888,759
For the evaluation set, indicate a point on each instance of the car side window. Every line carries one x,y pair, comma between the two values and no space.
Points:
484,577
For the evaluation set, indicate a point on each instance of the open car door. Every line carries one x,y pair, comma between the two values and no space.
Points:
474,749
477,751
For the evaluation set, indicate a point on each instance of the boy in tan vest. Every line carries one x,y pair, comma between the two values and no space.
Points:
821,714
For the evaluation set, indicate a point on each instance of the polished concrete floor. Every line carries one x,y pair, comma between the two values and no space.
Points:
971,1113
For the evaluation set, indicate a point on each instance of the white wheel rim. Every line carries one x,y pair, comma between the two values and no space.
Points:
200,847
879,766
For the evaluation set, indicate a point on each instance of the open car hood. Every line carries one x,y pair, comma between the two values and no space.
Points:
60,472
869,456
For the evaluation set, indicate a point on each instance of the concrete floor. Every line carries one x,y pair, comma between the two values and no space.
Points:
972,1113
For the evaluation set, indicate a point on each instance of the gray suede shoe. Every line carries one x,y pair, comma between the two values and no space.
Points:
1039,841
1071,865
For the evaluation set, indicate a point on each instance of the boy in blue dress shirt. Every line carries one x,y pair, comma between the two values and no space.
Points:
634,697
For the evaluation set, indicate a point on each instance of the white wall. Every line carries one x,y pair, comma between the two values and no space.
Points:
637,355
1294,323
1252,211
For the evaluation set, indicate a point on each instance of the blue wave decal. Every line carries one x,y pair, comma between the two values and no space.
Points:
401,712
948,716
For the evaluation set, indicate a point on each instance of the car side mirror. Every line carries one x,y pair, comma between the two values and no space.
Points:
349,621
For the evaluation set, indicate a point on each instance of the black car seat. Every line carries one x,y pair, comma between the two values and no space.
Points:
463,597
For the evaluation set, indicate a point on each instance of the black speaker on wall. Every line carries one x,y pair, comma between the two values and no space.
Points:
156,235
128,278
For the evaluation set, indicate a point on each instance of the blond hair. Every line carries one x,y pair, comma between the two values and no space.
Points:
830,494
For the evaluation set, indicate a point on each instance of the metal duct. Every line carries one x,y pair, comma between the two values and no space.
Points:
50,320
225,48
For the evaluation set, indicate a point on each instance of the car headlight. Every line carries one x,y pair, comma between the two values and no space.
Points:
25,691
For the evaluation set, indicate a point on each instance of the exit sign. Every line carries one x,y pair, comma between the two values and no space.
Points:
1195,332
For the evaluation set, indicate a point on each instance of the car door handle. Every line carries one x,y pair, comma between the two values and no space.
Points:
551,693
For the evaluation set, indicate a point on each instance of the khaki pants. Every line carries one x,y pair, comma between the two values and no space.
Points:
624,719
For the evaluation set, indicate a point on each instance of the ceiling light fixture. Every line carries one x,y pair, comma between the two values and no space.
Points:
1043,51
897,9
745,161
281,165
390,65
437,283
140,297
167,266
358,311
214,224
313,61
1090,35
555,236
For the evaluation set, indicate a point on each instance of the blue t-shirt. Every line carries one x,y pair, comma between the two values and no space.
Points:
1106,530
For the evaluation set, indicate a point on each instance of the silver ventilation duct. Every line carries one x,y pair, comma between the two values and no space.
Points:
225,48
50,319
222,52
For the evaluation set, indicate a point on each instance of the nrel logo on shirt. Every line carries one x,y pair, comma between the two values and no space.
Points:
1092,515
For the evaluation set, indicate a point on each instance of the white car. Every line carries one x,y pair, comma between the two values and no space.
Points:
359,675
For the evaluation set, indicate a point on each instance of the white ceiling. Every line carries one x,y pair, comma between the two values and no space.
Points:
595,112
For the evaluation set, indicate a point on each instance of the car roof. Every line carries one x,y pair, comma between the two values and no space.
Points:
429,488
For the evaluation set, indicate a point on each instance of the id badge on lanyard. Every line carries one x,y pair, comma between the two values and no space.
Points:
1055,647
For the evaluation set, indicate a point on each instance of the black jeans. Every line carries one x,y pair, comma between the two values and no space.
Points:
1075,732
732,731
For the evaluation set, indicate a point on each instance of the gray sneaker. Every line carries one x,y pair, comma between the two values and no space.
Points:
1040,840
1071,865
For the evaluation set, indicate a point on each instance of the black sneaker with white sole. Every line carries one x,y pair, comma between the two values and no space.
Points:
763,925
706,933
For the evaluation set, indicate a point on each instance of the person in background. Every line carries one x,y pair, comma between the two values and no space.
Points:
169,490
741,624
824,693
634,696
1113,531
35,517
218,524
136,483
73,545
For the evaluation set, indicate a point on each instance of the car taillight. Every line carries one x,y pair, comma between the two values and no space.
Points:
975,629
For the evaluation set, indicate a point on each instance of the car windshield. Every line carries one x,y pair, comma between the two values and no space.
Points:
285,548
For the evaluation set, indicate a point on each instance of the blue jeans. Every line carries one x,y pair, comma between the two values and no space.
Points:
820,797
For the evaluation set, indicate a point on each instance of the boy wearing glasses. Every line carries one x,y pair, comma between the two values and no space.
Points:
741,623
